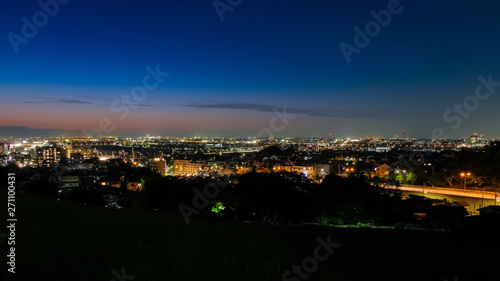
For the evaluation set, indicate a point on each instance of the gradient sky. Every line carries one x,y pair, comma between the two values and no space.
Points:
226,77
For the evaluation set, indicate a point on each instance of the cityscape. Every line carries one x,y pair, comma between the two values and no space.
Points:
249,140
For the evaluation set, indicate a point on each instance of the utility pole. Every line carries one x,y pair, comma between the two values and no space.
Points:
482,198
465,178
496,190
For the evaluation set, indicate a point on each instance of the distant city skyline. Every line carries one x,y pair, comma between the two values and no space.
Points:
21,132
232,77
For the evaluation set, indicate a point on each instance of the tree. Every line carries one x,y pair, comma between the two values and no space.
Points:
411,178
436,180
271,198
400,178
449,177
475,181
218,208
377,179
42,187
389,178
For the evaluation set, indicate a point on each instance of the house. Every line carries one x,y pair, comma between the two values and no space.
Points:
487,221
438,202
447,215
382,170
134,186
323,169
69,181
489,210
462,203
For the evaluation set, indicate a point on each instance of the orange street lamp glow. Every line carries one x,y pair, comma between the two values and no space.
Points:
464,175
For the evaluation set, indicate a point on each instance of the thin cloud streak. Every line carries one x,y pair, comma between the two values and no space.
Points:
59,100
70,101
269,108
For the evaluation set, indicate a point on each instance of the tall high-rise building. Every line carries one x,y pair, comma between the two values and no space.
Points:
69,150
48,156
161,164
473,138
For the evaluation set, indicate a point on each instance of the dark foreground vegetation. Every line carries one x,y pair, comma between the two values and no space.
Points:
268,198
67,240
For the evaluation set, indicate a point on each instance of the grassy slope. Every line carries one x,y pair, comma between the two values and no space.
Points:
69,241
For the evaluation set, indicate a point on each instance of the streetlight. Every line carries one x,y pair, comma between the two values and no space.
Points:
465,175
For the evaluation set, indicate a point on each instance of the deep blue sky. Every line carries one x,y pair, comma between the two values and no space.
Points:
225,77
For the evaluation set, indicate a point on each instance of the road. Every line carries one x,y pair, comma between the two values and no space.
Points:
449,191
475,199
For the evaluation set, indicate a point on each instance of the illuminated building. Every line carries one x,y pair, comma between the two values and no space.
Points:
321,169
70,181
161,164
382,170
48,156
186,167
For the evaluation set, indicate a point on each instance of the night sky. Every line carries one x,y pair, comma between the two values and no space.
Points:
225,77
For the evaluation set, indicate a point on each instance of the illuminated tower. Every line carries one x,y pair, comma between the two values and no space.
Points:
404,134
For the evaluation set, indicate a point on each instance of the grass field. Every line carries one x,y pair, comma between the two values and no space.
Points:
67,241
